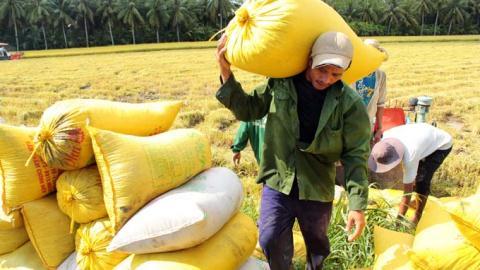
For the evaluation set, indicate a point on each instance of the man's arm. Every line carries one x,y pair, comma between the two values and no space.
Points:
245,107
224,65
240,141
356,148
241,138
409,175
405,202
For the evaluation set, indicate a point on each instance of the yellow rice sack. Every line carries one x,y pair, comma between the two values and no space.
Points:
390,199
439,244
48,229
63,141
391,248
10,221
385,198
91,242
274,38
80,195
466,215
228,249
20,183
23,258
12,239
135,169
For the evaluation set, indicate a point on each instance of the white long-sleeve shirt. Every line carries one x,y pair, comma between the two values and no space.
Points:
420,140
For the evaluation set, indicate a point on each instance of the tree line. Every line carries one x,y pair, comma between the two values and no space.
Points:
45,24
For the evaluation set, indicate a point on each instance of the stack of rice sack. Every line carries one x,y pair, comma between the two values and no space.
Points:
64,141
125,185
447,237
20,185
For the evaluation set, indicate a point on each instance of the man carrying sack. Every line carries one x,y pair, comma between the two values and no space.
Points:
313,120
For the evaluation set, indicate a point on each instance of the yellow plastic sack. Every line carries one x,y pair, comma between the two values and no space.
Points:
48,229
299,250
389,198
466,215
91,243
391,248
12,239
63,141
10,221
385,198
439,244
274,38
23,258
135,170
393,258
226,250
80,195
20,184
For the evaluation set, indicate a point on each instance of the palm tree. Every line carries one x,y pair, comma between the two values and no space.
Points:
456,13
202,12
179,15
14,11
129,14
474,6
331,3
157,15
62,17
107,11
397,15
438,6
237,3
350,11
40,13
83,8
367,12
424,7
220,8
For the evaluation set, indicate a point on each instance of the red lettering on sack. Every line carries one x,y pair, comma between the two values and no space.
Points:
45,175
29,146
76,135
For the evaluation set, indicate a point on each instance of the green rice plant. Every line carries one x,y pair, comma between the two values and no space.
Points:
189,119
360,253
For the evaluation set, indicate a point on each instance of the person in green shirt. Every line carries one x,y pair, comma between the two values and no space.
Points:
253,131
313,120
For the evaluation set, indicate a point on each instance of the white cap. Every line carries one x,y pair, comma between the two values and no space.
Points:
332,48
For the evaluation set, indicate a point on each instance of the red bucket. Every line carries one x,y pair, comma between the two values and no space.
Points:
392,117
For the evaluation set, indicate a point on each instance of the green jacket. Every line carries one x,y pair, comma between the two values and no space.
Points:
343,133
254,132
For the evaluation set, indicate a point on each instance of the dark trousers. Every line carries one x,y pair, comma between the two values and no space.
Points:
427,167
277,216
